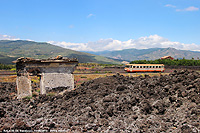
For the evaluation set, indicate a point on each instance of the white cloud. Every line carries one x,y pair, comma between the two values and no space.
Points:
152,41
90,15
191,8
73,46
7,37
169,5
71,26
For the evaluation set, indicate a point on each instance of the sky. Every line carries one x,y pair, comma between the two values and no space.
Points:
97,25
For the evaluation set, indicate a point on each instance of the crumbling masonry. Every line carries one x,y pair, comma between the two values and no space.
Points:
53,73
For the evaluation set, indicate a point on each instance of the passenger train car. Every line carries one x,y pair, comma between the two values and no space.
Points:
144,68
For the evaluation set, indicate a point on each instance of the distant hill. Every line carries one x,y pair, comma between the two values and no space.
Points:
149,54
11,50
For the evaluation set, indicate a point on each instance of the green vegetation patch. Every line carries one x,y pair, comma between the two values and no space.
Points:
7,67
169,62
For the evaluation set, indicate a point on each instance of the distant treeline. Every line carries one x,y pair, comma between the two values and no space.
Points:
97,64
6,67
169,62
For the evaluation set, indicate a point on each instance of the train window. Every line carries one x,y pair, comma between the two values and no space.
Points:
137,66
149,66
159,66
144,66
140,66
133,66
156,66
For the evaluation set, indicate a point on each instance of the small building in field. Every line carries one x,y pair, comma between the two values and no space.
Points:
125,62
167,57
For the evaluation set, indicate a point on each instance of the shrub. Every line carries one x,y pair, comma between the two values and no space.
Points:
27,97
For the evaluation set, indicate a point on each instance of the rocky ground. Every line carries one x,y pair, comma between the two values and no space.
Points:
169,103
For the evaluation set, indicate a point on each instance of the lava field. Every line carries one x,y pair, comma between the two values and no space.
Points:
169,103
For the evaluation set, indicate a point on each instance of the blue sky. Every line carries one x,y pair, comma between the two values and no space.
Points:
111,24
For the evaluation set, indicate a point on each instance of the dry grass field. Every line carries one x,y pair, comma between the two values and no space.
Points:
81,78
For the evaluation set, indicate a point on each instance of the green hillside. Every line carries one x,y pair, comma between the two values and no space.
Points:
6,59
11,50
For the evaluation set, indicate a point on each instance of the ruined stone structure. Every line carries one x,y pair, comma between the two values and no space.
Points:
53,73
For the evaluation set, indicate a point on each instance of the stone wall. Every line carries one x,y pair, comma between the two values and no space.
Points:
52,80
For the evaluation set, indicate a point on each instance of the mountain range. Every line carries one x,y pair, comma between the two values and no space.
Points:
148,54
11,50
